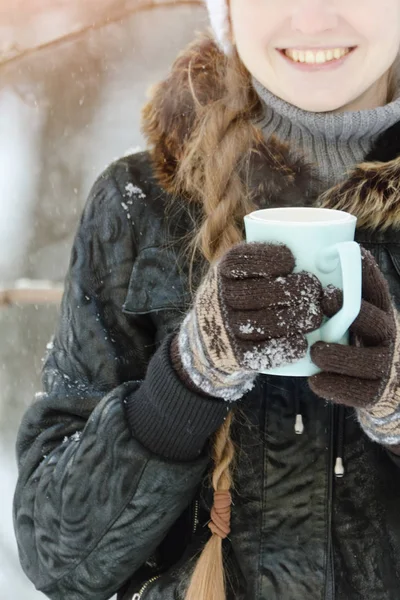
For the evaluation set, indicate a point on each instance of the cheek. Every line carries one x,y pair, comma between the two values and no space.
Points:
383,46
378,22
255,23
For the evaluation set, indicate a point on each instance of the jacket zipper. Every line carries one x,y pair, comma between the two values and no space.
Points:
144,587
195,516
140,593
330,580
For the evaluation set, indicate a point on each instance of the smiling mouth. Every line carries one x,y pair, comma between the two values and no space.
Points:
316,56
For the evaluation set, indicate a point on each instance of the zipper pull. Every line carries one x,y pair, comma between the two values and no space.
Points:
339,468
299,425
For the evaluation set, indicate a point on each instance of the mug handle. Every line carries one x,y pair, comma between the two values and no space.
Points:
349,256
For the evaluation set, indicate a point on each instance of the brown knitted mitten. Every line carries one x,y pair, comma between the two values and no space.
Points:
251,313
365,374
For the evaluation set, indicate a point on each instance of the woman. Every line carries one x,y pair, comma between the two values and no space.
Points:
158,462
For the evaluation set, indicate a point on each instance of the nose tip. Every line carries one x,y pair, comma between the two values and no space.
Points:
313,20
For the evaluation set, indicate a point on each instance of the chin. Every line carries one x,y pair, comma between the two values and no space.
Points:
320,104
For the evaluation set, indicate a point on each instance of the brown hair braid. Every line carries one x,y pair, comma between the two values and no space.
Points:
211,168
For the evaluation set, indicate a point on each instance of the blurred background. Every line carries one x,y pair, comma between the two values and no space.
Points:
73,77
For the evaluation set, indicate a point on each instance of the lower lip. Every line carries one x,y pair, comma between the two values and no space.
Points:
311,67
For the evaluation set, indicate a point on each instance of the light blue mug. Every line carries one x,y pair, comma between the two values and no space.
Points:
322,242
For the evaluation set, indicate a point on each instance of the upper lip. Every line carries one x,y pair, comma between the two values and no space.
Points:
303,47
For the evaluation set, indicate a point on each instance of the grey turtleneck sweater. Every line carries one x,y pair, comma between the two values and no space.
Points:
331,142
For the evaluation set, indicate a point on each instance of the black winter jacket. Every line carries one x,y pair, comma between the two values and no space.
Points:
113,492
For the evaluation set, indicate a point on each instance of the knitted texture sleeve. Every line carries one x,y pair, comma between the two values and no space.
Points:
168,417
381,421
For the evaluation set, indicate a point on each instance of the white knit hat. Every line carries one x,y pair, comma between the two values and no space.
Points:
218,11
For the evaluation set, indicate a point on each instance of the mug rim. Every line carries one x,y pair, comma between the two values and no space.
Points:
341,216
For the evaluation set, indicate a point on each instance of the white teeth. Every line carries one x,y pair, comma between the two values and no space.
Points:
316,56
310,57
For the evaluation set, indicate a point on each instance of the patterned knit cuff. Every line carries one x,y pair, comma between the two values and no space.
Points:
381,422
216,383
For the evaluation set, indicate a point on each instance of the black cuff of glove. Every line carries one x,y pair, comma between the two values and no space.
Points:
168,418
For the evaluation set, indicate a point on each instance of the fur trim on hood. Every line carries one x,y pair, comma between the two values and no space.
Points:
371,191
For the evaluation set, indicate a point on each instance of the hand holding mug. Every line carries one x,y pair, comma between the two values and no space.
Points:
322,242
251,313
